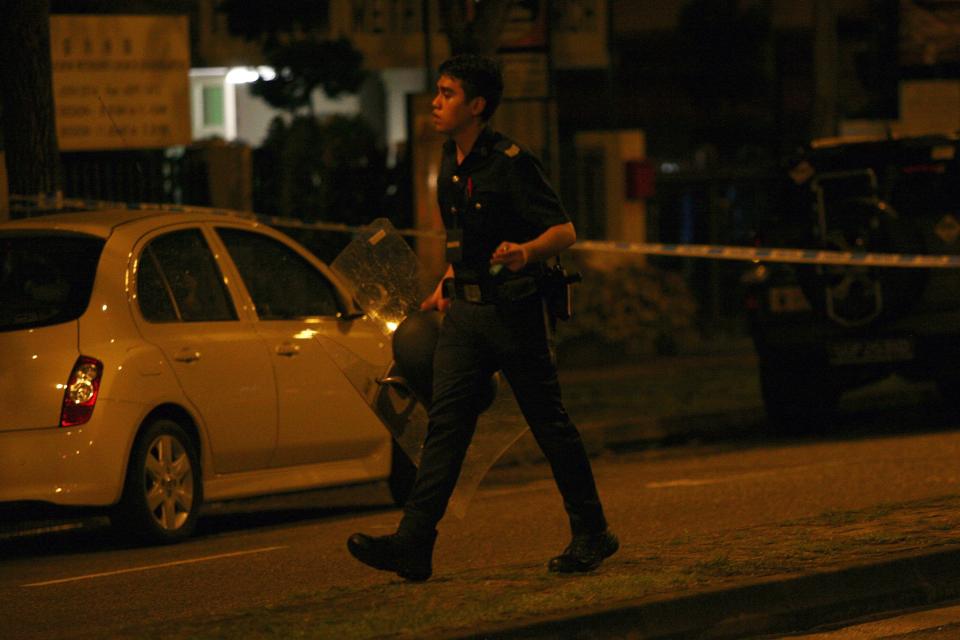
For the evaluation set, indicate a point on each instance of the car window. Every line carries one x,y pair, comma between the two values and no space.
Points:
283,285
178,280
45,279
156,303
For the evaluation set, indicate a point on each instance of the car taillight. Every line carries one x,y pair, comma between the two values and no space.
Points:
81,393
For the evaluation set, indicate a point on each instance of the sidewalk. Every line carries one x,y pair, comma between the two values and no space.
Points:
741,582
756,589
656,401
686,396
855,564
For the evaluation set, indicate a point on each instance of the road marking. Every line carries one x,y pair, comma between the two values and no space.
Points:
528,487
689,482
40,530
684,483
150,567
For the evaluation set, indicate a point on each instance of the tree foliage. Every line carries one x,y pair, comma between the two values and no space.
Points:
293,36
304,66
272,23
330,169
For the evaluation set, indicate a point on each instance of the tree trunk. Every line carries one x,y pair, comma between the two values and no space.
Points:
29,130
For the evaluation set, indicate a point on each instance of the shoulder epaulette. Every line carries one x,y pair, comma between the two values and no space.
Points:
508,148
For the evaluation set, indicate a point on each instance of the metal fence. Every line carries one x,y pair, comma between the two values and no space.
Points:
718,208
176,175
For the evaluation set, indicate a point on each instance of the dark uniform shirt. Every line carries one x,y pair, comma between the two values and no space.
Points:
498,193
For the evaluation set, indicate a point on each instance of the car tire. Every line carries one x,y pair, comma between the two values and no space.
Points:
403,473
163,490
798,396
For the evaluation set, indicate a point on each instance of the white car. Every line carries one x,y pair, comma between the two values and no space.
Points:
154,360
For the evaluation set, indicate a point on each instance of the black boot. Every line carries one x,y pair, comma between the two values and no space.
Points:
410,558
585,552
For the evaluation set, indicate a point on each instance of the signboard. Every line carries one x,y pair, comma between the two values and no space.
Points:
526,26
120,82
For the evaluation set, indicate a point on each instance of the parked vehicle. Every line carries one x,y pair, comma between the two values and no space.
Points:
156,360
820,330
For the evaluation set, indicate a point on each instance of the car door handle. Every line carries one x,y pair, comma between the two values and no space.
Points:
288,349
187,355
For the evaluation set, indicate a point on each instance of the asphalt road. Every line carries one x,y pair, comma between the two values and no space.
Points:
86,584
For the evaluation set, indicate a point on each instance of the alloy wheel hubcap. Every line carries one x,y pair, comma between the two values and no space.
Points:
168,483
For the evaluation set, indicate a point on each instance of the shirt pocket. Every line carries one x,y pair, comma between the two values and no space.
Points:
487,205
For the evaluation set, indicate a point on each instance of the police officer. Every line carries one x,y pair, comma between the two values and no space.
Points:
503,220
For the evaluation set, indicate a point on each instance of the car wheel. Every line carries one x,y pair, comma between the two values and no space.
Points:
798,396
403,473
163,489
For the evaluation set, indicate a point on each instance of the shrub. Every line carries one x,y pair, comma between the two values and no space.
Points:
636,308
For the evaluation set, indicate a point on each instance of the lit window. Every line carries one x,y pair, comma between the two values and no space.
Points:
213,106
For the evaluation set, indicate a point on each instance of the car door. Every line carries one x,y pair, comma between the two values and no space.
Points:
322,418
185,308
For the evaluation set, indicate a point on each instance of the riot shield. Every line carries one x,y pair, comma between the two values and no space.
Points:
388,284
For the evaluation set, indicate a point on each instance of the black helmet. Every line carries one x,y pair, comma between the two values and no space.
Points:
414,342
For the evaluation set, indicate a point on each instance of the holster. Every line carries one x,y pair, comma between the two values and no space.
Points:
557,288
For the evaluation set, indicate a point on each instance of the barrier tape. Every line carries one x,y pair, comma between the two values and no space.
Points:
762,254
706,251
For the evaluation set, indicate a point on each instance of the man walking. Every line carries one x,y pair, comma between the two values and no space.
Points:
503,220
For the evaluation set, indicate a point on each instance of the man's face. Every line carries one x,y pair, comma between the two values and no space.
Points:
452,112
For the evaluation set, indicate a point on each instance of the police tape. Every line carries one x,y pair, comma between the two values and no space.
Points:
704,251
769,254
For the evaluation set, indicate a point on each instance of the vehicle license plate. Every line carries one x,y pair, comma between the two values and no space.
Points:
871,351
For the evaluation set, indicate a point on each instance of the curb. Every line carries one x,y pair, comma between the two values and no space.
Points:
775,605
638,432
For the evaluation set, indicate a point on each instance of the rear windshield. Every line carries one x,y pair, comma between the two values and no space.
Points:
45,278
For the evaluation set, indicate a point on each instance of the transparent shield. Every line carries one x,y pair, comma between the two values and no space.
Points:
383,274
388,284
399,410
497,429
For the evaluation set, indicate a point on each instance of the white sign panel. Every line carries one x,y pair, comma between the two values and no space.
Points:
120,82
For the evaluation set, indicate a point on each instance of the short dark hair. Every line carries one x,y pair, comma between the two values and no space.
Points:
480,76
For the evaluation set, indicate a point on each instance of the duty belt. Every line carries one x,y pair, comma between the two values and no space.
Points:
490,292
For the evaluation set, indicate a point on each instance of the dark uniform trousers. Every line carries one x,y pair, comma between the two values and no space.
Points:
475,341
